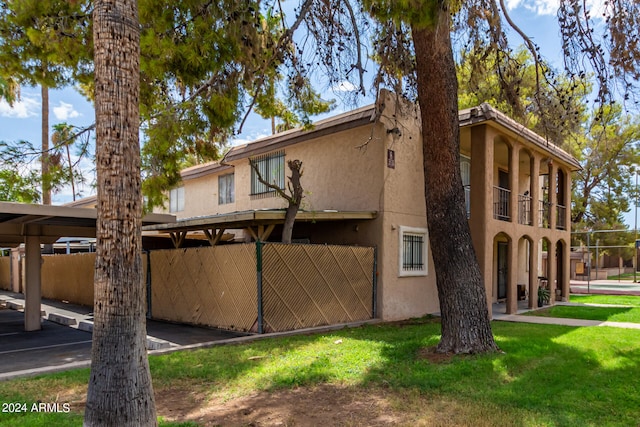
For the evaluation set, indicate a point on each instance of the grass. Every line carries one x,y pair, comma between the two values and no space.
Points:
629,300
629,310
612,314
548,375
624,276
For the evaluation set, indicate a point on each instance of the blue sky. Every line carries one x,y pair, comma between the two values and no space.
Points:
537,18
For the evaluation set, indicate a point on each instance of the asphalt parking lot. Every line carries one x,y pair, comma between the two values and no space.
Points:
57,346
54,345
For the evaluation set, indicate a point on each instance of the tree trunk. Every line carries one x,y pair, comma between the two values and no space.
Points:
44,160
120,392
296,190
466,326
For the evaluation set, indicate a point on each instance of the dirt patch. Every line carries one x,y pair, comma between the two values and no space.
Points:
430,354
415,321
308,406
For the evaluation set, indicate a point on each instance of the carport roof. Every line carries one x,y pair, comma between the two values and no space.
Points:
252,218
18,220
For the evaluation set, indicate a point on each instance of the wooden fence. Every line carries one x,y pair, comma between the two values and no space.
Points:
5,273
265,287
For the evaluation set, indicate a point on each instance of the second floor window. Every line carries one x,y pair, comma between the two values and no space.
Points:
176,200
226,192
271,168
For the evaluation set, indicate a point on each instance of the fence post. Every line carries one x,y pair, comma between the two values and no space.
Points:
374,306
259,283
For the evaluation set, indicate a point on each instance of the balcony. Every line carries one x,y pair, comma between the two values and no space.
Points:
524,209
561,223
545,214
501,203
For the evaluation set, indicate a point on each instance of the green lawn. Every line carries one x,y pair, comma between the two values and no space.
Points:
607,299
612,314
547,375
624,276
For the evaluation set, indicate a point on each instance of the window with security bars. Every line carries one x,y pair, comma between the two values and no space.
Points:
413,251
226,191
271,169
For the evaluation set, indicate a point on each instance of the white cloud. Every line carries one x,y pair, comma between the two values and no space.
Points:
344,86
249,138
24,108
550,7
65,111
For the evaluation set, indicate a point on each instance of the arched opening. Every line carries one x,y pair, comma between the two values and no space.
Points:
561,200
505,274
546,254
562,276
524,188
501,187
524,279
544,202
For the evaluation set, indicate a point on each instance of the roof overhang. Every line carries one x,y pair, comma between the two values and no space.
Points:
485,113
18,220
243,219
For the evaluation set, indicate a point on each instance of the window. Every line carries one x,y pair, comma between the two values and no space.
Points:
465,173
271,168
413,251
176,200
226,191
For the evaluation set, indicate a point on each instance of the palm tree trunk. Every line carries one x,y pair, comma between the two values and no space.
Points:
44,162
120,391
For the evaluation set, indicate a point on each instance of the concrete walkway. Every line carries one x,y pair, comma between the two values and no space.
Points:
501,316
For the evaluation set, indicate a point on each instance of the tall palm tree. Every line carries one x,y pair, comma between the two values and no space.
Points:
120,391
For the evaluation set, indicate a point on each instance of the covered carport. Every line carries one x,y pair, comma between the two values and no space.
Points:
259,224
33,225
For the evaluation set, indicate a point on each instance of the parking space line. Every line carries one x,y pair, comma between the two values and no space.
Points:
44,347
10,333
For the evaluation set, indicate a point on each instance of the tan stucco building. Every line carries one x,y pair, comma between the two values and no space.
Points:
364,185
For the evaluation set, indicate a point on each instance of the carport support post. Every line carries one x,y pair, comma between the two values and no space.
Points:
33,285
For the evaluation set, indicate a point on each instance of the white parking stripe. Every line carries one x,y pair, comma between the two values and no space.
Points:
10,333
44,347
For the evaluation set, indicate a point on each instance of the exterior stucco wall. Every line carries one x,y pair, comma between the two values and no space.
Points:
485,228
337,176
404,205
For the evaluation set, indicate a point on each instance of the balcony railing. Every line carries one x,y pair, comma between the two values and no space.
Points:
545,213
561,222
501,203
524,209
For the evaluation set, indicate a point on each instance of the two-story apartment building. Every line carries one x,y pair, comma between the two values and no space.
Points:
364,185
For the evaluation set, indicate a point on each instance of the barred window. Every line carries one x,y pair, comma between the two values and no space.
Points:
271,168
413,251
226,190
176,200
